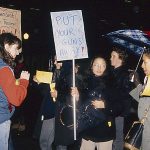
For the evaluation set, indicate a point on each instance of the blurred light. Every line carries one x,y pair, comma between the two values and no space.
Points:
127,1
136,9
37,9
26,36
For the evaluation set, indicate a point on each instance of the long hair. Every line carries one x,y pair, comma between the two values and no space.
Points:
89,71
10,39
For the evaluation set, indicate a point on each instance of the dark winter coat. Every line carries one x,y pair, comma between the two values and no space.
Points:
63,134
105,131
120,81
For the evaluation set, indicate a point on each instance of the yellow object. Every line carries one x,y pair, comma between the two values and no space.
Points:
44,77
17,82
146,91
109,123
52,87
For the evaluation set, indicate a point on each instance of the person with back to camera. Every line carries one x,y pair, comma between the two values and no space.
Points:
120,81
103,100
12,93
144,101
64,135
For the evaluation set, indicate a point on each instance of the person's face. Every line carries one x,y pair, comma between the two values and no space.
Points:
12,50
146,65
115,60
57,64
99,66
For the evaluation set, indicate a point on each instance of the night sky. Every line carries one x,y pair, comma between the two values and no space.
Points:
100,17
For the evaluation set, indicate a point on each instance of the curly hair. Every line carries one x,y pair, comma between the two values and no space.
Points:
10,39
122,54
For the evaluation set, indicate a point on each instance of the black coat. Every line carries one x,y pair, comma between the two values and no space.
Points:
120,80
105,131
63,134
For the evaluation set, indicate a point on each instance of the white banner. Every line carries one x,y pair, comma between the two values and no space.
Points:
69,35
10,21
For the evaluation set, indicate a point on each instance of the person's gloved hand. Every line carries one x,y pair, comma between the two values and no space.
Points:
134,77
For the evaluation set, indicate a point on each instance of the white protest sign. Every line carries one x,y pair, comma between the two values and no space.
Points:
69,36
10,21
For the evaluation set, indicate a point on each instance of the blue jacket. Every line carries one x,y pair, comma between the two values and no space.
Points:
5,113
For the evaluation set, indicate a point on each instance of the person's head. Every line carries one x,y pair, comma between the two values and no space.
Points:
146,62
118,57
10,47
58,64
98,66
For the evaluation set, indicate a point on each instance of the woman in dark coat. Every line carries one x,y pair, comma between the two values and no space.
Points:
104,101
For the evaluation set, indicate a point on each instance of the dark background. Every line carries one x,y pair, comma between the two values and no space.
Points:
100,17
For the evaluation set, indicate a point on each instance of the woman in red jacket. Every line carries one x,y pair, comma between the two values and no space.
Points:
12,92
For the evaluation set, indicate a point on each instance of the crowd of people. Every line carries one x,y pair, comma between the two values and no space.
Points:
103,95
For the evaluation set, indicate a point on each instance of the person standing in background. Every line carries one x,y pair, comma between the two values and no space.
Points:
47,112
18,119
64,138
12,93
120,81
144,100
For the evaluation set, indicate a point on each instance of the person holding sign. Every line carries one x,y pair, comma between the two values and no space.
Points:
143,98
104,106
12,93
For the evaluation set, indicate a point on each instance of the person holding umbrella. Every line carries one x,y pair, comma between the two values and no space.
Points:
144,100
120,81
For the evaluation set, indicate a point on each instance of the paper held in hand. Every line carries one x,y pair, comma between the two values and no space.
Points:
146,91
52,87
44,76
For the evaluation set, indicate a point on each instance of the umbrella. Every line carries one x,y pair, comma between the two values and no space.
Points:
133,40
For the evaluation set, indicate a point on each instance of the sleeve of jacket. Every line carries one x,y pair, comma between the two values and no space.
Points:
136,92
113,105
15,93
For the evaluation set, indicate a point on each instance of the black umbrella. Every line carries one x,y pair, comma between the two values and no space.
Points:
132,40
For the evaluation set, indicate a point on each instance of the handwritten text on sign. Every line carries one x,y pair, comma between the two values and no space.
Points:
10,21
69,36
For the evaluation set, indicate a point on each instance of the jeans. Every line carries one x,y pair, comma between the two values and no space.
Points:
47,134
4,134
119,141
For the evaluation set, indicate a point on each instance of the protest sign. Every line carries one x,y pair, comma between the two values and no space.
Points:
10,21
69,36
